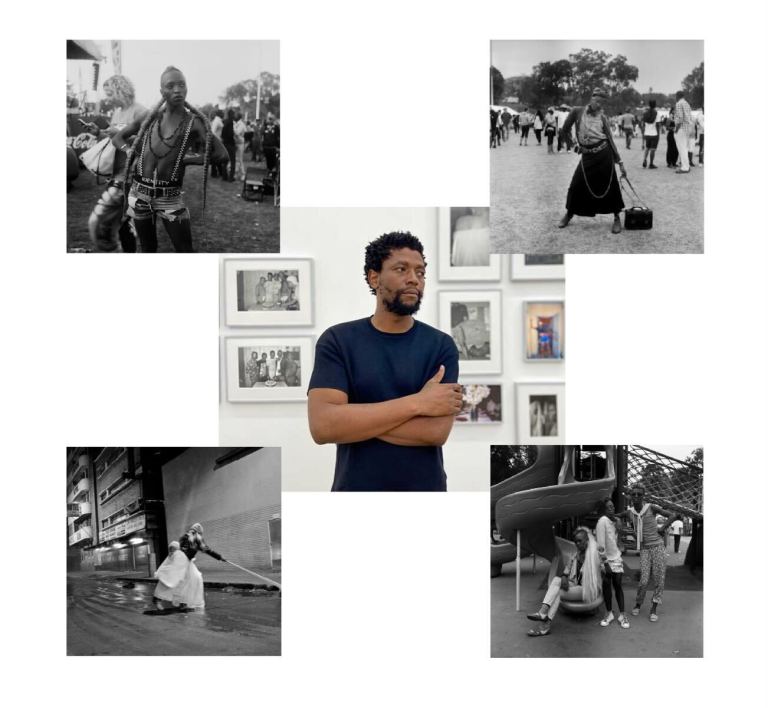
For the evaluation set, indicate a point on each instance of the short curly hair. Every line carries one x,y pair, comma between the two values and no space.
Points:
378,250
122,88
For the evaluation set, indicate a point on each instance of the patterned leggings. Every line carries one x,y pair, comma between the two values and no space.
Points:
653,561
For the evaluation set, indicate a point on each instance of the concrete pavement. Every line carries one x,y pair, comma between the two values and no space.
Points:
678,633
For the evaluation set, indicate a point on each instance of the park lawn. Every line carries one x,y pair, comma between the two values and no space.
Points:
230,225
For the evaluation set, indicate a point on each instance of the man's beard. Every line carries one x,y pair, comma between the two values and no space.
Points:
397,307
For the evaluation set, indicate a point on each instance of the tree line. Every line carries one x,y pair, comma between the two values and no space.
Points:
571,82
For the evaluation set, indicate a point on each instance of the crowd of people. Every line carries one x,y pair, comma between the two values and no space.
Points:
260,137
683,127
281,367
145,153
589,131
596,570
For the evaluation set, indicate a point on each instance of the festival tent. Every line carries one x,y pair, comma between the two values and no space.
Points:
83,49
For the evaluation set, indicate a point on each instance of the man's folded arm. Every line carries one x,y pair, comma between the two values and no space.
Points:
332,419
421,430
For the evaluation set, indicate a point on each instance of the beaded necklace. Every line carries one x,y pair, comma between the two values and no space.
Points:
148,142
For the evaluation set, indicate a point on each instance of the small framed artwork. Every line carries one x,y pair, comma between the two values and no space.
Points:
473,319
267,369
464,249
534,267
481,403
268,292
540,409
544,335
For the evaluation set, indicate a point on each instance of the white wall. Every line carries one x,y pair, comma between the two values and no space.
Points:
335,239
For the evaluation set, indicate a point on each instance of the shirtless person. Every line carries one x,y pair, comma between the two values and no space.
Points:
155,169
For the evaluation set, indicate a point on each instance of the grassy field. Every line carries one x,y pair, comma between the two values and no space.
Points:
528,190
230,224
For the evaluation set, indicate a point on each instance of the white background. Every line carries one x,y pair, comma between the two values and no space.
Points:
387,597
335,239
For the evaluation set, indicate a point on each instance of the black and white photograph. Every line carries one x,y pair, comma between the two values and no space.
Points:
544,330
537,267
268,368
597,146
597,551
174,132
540,411
465,249
268,292
174,551
481,404
473,319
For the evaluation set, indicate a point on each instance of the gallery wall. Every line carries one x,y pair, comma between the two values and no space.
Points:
335,240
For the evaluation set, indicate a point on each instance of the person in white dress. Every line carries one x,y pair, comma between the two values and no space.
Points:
471,239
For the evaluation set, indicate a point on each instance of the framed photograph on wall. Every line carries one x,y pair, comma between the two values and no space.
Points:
536,267
544,330
268,369
473,319
464,249
268,292
540,411
481,403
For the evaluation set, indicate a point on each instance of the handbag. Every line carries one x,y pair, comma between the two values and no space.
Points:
638,217
100,158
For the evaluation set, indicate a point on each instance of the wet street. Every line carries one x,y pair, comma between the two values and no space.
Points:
106,618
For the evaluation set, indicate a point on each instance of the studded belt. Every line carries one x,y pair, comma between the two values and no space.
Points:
156,191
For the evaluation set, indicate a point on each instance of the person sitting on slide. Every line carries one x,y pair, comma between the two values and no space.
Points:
579,582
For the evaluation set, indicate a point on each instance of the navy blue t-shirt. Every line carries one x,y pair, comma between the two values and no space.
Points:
370,367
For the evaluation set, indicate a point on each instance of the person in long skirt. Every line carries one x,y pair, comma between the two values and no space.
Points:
613,565
179,580
594,187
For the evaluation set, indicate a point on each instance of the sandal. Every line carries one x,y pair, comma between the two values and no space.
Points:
538,632
536,617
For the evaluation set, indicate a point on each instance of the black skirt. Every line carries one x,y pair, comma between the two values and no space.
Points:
595,186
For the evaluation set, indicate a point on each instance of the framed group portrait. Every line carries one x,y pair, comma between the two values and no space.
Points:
540,412
268,369
268,292
473,319
464,249
544,330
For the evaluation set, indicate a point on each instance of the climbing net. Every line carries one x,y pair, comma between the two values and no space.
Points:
668,482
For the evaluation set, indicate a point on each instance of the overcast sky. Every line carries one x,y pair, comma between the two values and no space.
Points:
662,64
210,66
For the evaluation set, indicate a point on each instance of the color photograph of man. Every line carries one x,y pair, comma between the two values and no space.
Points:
384,388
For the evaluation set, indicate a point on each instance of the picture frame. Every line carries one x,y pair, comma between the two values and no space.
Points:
253,297
473,319
466,255
482,404
536,267
248,380
544,330
540,412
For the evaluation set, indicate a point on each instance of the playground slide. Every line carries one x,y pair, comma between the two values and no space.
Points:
538,499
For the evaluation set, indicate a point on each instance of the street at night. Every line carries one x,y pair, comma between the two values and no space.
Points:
105,616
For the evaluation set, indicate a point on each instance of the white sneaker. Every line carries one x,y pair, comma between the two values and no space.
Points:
608,619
